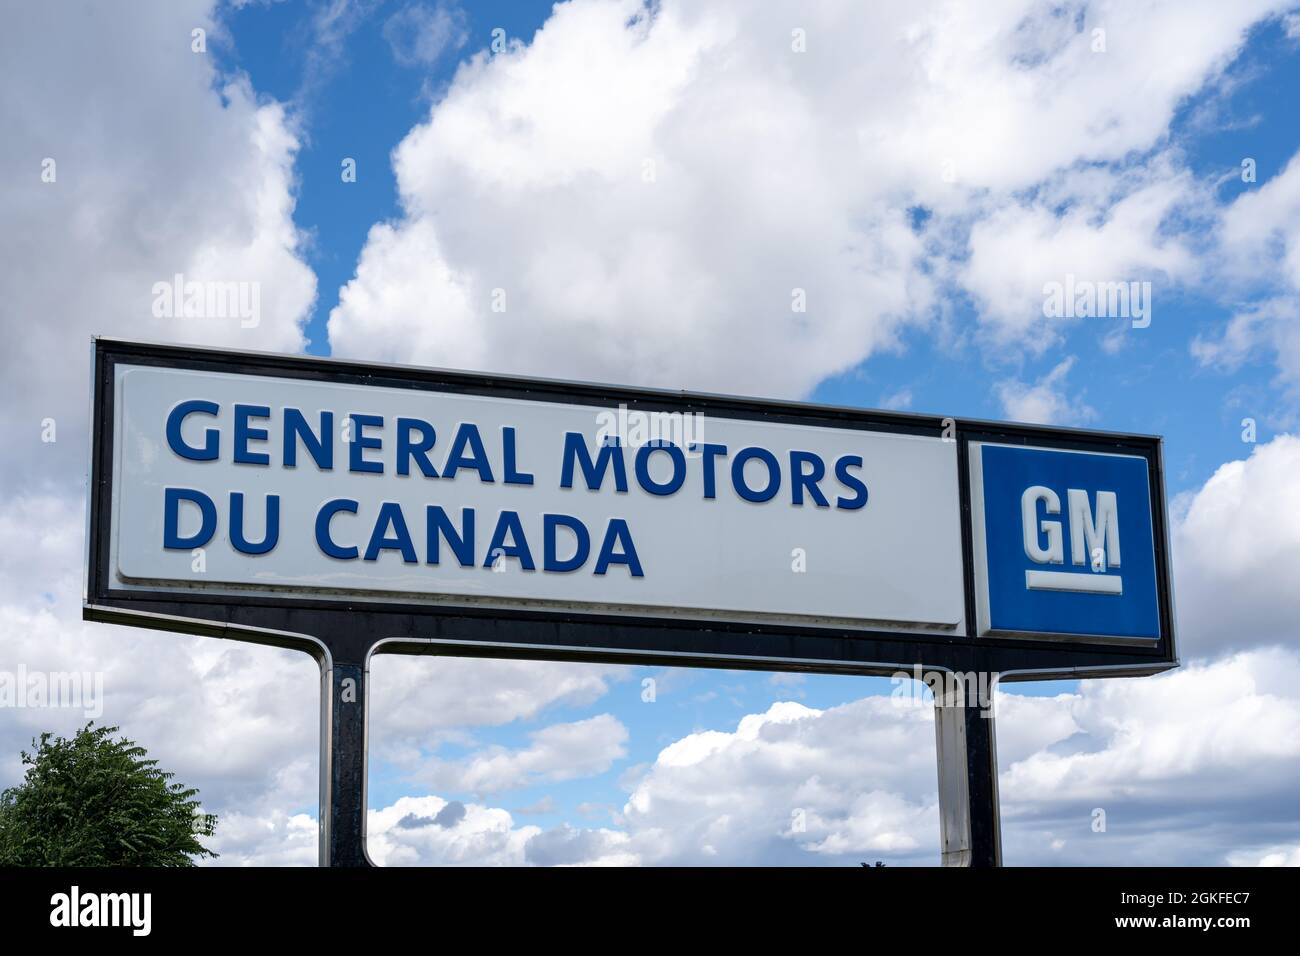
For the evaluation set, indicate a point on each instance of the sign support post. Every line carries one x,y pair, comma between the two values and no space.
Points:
966,746
343,769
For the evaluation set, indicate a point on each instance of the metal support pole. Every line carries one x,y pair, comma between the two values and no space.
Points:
970,831
343,765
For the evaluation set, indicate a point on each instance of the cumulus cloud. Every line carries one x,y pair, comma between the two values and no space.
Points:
557,752
794,785
684,171
276,839
434,831
1084,227
1190,767
407,718
604,199
1197,766
568,846
407,834
1260,232
789,785
1236,546
161,166
235,721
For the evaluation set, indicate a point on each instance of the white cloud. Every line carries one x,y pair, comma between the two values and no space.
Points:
276,839
578,846
238,722
432,831
417,831
1236,547
1271,324
406,715
1189,768
1258,259
421,34
161,167
1111,230
558,752
607,275
794,785
773,171
1259,231
1215,724
1271,856
1045,401
789,785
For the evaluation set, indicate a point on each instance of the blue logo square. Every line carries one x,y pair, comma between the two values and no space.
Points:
1063,543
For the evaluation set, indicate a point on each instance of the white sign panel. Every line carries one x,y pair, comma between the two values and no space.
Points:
237,483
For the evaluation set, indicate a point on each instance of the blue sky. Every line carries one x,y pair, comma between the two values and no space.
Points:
650,183
363,102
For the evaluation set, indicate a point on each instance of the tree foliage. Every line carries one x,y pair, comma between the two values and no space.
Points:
97,801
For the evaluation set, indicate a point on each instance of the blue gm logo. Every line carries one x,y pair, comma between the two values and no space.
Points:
1063,543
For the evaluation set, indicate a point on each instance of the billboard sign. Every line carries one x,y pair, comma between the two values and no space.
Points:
568,520
366,493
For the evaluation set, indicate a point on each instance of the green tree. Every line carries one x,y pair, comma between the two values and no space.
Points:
95,801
